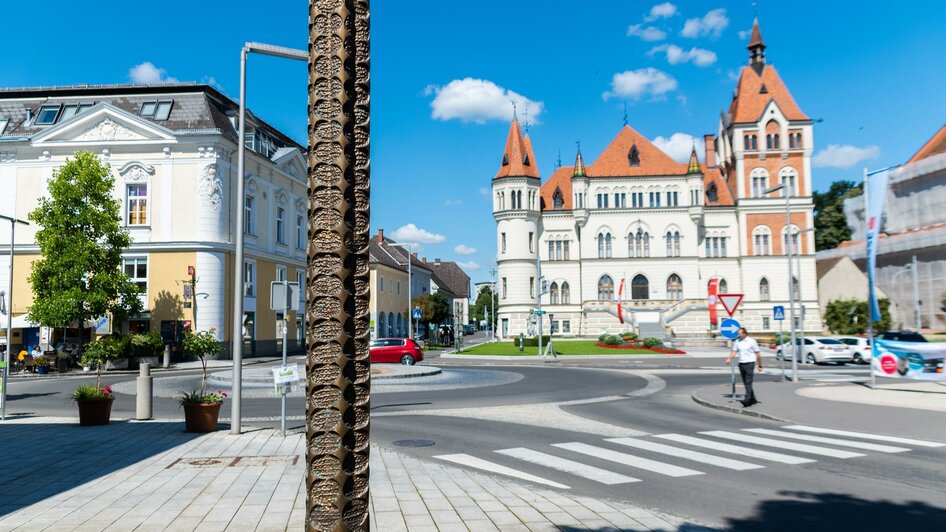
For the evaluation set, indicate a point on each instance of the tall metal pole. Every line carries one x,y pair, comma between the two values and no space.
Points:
285,336
410,329
492,305
916,295
236,345
538,283
337,306
791,280
870,294
6,354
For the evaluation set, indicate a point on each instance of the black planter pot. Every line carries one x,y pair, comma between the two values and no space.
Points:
42,370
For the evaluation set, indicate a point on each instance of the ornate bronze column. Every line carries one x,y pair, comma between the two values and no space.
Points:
337,317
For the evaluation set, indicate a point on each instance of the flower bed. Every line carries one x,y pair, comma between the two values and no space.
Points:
662,350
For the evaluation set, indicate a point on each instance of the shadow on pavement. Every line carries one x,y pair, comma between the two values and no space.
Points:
41,460
832,511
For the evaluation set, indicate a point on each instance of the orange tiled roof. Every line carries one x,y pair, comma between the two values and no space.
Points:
934,146
517,148
724,196
749,103
562,180
614,160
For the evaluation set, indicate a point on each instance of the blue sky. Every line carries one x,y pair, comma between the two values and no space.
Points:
443,74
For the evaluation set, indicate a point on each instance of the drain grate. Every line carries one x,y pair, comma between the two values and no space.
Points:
231,461
414,443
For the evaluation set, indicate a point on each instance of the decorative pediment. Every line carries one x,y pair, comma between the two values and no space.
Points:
104,123
136,171
281,198
251,187
108,130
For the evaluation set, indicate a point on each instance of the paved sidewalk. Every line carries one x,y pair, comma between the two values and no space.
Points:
152,476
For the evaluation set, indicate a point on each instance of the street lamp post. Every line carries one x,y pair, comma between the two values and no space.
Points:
801,300
237,339
410,329
791,276
9,309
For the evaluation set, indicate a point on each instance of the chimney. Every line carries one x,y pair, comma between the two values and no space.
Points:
437,261
424,260
710,151
380,235
414,255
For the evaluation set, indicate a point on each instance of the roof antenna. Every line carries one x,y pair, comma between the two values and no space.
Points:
525,112
558,163
625,113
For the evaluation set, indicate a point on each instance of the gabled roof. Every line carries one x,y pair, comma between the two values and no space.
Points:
934,146
393,256
750,100
724,196
516,154
614,161
561,179
450,277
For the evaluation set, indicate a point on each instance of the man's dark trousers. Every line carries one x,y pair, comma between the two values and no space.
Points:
747,370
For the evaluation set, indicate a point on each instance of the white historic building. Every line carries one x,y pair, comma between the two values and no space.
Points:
637,228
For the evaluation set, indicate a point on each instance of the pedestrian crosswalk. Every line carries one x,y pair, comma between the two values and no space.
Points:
700,454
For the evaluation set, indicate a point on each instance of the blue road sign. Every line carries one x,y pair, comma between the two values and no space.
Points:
778,313
730,329
416,313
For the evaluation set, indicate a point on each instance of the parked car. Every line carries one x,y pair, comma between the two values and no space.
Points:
817,350
468,329
403,350
860,348
903,336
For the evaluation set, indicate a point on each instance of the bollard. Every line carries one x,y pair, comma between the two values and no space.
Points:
144,410
167,356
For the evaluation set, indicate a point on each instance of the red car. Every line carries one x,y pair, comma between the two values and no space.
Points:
403,350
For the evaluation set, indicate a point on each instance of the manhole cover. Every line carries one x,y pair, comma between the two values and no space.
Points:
414,443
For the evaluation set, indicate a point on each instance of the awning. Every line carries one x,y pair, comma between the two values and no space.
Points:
19,322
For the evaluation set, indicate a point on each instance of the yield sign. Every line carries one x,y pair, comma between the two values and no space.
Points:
730,302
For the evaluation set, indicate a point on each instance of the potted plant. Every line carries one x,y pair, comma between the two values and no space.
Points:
95,404
201,409
42,365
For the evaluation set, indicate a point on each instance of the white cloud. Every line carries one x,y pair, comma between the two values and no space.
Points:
479,100
843,156
634,84
485,192
410,233
712,24
452,202
664,10
463,249
147,73
676,55
468,266
646,33
679,146
744,34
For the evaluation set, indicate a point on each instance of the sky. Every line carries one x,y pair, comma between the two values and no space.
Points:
444,76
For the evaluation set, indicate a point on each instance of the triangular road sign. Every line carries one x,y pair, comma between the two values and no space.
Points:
730,302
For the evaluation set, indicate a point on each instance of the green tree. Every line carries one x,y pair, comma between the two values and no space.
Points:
79,276
434,308
104,349
849,316
482,305
830,223
202,344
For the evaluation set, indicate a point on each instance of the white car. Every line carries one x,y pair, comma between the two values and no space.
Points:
817,349
859,346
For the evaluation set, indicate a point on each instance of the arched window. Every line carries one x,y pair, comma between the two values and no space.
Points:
746,143
794,232
558,200
723,288
646,237
399,330
764,290
382,325
676,243
760,182
605,288
600,245
640,287
638,243
761,236
634,156
669,244
755,142
519,199
565,295
674,287
789,177
553,293
775,143
607,245
796,290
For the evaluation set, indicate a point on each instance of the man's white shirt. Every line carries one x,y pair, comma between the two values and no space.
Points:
746,349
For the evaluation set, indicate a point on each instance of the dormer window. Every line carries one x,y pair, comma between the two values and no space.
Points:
156,110
47,115
558,200
712,195
505,160
634,156
525,160
763,89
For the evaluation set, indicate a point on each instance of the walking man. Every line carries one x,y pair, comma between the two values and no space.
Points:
747,350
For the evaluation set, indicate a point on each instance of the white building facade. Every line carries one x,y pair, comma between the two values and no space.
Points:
637,237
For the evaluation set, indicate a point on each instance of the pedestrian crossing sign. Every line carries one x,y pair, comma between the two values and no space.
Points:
778,313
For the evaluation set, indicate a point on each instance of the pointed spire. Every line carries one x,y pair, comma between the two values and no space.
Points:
694,166
756,46
579,164
518,159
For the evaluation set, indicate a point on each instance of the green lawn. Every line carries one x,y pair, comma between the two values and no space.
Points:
576,347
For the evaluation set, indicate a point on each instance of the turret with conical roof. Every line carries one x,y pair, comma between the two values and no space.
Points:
756,46
518,159
694,166
579,166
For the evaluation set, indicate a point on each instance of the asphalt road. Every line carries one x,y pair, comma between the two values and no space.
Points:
570,412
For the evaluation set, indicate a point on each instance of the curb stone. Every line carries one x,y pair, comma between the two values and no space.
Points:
734,410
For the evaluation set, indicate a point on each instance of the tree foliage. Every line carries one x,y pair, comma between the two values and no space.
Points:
79,276
849,316
105,349
434,308
830,223
202,344
482,305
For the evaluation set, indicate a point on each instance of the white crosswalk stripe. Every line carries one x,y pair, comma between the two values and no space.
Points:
867,436
687,454
735,449
831,441
479,463
628,459
791,446
569,466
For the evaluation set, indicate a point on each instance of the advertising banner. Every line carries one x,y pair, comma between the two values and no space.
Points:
876,194
713,299
909,360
